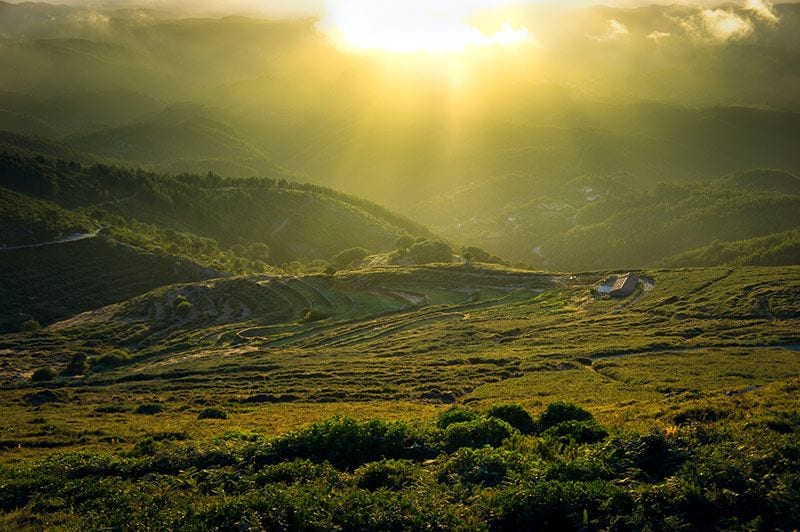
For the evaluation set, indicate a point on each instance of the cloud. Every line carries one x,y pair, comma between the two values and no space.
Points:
763,9
616,30
658,36
726,25
91,18
718,25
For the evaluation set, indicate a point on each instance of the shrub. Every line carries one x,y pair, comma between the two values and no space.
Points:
784,422
578,431
559,412
77,365
184,308
514,415
654,454
212,413
556,505
349,257
111,359
30,326
476,433
479,466
389,474
149,409
427,252
476,254
347,443
43,374
403,243
297,471
455,415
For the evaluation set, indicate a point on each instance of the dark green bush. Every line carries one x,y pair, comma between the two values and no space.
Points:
485,466
654,454
515,415
295,471
582,469
43,374
389,474
578,431
149,409
455,415
553,505
212,413
559,412
78,364
184,308
111,359
347,443
30,326
476,433
427,252
784,422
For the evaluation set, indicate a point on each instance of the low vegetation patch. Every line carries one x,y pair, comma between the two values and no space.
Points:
476,472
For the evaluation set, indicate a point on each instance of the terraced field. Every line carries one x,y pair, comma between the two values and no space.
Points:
278,352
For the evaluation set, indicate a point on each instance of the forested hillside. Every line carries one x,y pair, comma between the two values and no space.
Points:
77,237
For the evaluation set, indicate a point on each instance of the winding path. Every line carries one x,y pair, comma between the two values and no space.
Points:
76,237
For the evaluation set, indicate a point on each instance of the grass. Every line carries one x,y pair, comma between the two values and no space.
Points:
404,343
238,409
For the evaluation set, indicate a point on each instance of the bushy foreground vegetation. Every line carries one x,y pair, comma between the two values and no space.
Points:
498,470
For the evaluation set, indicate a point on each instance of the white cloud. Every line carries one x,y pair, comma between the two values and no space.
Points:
762,9
616,29
90,17
726,25
659,36
718,25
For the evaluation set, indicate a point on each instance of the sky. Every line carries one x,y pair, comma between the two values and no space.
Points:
454,25
317,7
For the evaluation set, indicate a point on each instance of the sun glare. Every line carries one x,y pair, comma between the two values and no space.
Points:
432,26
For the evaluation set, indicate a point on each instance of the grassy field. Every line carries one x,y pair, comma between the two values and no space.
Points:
403,343
372,399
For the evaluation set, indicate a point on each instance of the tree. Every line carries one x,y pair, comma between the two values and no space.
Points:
78,365
403,243
43,374
259,251
349,257
30,326
427,252
472,253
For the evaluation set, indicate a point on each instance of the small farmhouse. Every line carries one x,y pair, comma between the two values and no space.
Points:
624,285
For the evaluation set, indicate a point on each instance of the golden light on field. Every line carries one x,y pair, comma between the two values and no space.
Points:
413,26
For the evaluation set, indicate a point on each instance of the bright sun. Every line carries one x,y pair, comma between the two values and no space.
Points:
407,26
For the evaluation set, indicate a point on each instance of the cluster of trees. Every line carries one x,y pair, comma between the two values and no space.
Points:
233,225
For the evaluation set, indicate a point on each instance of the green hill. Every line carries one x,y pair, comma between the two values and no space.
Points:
773,250
57,281
146,230
767,180
27,221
